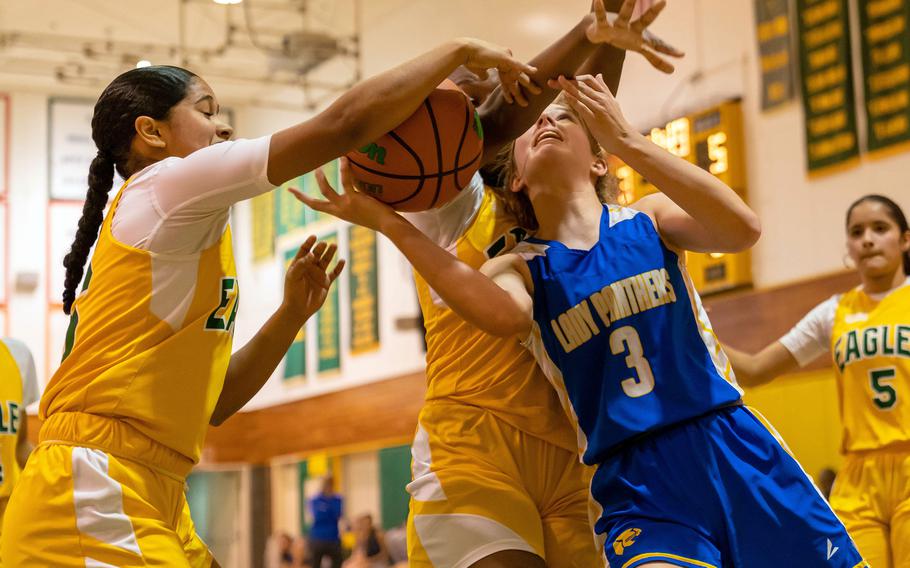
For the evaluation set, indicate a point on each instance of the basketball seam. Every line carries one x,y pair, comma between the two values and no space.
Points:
464,133
439,164
464,166
416,157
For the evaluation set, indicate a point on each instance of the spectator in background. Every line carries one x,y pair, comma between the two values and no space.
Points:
325,540
369,548
396,544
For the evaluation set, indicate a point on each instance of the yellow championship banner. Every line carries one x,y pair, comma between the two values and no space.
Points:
364,290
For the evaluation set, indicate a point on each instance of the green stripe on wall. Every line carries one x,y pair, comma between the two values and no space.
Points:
394,475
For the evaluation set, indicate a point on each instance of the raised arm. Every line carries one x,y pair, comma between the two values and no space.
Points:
306,285
594,45
378,105
695,211
495,300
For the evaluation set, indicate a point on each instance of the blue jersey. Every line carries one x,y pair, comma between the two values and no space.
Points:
622,335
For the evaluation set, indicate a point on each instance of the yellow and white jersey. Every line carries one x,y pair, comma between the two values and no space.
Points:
18,389
464,364
151,331
869,340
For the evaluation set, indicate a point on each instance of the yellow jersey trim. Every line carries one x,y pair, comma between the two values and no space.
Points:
667,556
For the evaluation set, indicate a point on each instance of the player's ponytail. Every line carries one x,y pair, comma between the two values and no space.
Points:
148,91
894,212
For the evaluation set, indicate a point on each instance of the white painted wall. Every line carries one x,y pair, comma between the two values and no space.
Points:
803,231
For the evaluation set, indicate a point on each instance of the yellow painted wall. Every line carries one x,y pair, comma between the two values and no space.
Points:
804,409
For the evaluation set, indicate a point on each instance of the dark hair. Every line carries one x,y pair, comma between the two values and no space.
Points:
518,204
148,91
894,212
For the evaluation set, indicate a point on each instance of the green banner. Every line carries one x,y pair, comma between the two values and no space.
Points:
327,325
886,66
394,476
295,360
826,73
263,221
364,289
290,214
772,22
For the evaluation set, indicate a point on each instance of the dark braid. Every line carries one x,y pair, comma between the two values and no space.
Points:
894,211
149,91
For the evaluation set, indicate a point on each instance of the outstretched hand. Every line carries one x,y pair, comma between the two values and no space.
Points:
308,278
349,205
596,106
632,35
514,75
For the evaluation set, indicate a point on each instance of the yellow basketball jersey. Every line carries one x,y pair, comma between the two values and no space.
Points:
125,359
468,366
11,400
871,349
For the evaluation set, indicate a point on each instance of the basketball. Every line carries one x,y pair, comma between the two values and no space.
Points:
428,158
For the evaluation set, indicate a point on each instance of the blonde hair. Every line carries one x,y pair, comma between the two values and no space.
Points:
518,203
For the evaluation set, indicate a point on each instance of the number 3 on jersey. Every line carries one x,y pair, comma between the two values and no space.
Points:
625,341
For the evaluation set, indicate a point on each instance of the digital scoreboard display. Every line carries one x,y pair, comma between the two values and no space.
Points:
712,140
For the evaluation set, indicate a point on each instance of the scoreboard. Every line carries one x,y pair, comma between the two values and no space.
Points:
712,140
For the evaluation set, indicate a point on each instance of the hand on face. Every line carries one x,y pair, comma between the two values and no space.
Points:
350,205
632,36
307,281
590,98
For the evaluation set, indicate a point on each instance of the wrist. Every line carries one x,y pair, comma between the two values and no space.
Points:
390,223
291,316
463,47
629,143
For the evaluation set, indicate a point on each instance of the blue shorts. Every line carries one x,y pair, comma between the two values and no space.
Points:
717,491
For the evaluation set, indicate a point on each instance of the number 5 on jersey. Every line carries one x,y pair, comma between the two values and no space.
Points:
885,396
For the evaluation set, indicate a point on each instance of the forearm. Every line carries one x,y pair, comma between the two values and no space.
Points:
607,61
253,364
762,367
363,114
381,103
471,294
704,197
503,122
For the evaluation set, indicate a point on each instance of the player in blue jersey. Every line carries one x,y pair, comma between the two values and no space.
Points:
686,476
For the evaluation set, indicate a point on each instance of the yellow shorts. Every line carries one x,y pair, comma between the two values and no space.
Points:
481,486
82,506
871,495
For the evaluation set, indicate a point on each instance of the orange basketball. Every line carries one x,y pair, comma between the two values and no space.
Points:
428,158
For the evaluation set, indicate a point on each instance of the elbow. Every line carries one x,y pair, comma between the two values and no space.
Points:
753,228
747,234
517,326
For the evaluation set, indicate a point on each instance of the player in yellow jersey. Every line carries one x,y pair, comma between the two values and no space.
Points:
18,389
866,331
496,477
148,361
